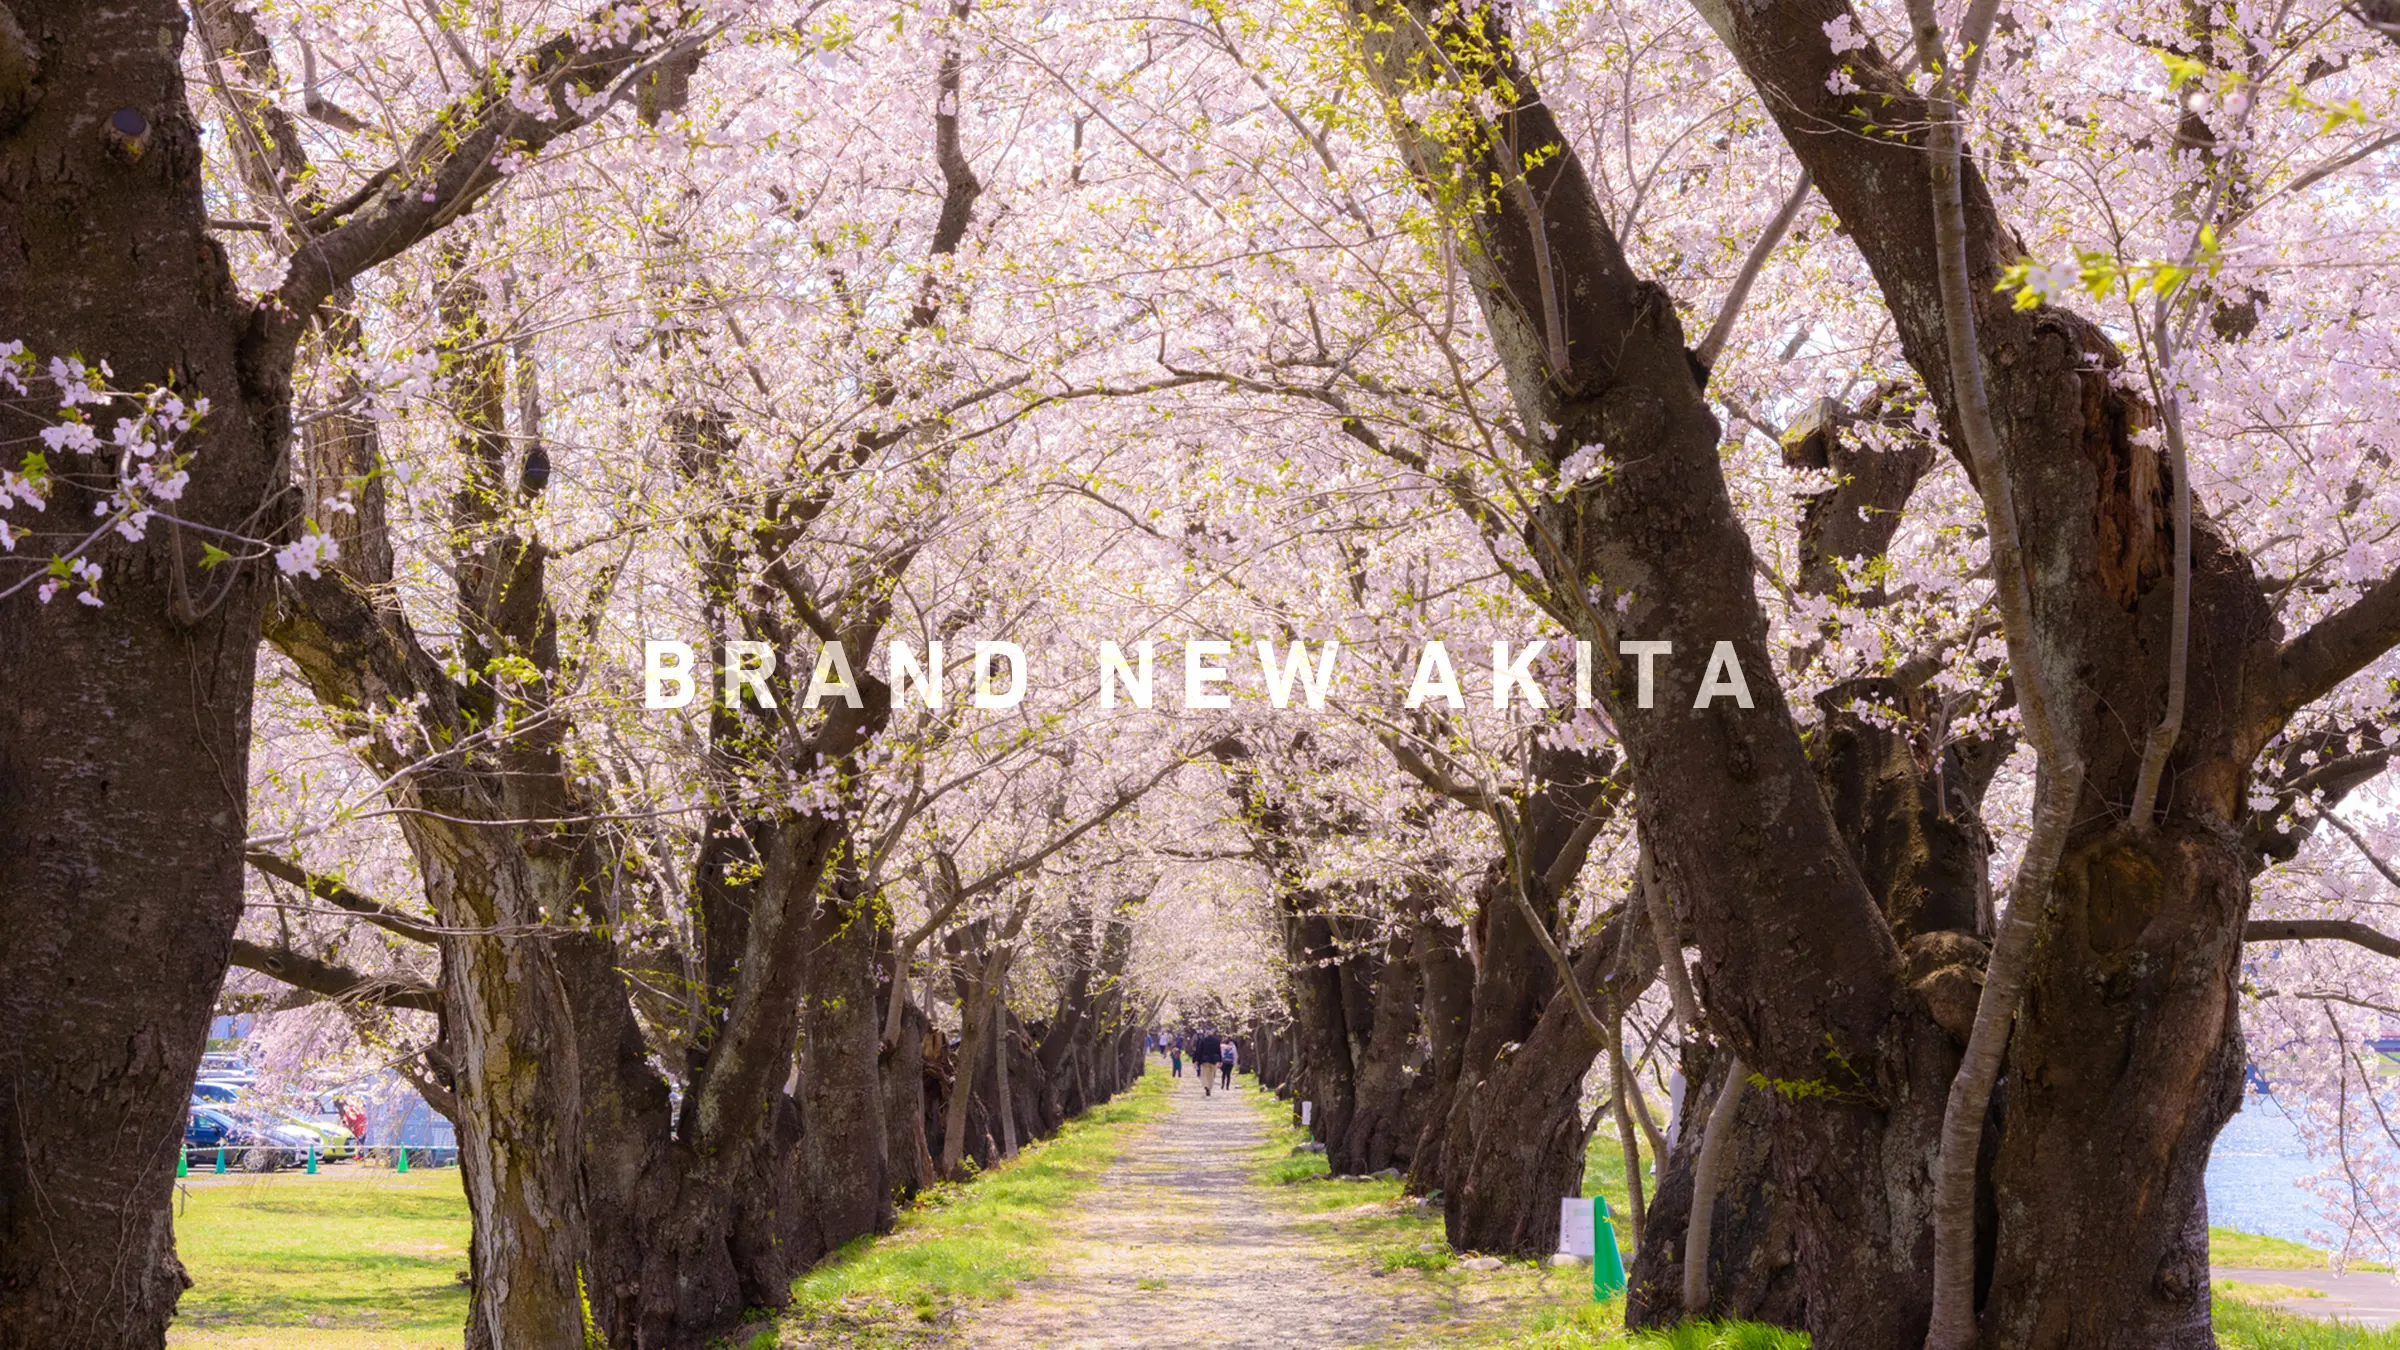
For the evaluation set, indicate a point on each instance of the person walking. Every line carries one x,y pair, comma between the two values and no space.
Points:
1227,1057
1175,1056
1204,1057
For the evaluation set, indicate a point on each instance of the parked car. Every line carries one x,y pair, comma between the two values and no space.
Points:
334,1143
216,1092
225,1064
250,1142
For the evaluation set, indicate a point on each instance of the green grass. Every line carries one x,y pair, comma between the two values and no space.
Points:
1387,1240
2229,1248
966,1242
369,1260
356,1258
2242,1291
1604,1176
1597,1326
2241,1326
1572,1321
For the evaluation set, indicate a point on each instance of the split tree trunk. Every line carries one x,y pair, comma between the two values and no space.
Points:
903,1072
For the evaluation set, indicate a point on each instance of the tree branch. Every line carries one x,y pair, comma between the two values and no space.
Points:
2338,646
1124,797
336,982
559,87
1432,779
1713,345
2327,930
334,893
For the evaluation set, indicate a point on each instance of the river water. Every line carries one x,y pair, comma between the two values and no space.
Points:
2254,1175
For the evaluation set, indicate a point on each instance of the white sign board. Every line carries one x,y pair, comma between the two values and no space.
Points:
1576,1236
1308,1111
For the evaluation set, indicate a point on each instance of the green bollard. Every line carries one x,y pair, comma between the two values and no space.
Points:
1608,1268
312,1157
402,1164
183,1162
220,1160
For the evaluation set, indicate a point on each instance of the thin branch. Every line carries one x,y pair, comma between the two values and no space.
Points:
2374,859
1707,1175
334,893
1713,345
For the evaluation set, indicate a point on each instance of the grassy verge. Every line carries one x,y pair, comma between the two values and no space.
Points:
1604,1175
2241,1326
959,1243
357,1259
1525,1306
2229,1248
1373,1225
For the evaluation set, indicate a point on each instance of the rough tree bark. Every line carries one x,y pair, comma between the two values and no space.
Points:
1377,1137
124,730
1446,981
1798,969
843,1146
2124,1061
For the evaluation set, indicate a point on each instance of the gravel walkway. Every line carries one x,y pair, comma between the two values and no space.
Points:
1178,1247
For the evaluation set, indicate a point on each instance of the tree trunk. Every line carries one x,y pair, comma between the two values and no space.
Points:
1003,1049
903,1073
124,734
1320,1020
513,1041
1517,1138
2124,1059
120,885
968,962
1023,1085
1447,980
1752,1239
1376,1138
844,1152
2113,1103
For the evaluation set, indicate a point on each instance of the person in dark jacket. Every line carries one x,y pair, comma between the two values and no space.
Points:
1204,1057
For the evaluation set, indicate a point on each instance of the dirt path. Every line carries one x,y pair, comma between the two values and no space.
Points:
1177,1246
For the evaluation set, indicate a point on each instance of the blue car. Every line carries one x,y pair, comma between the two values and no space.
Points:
248,1143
